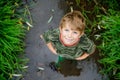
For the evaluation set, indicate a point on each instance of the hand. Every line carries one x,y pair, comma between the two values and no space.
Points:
84,56
78,58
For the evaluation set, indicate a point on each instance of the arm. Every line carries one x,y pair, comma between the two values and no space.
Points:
85,55
50,46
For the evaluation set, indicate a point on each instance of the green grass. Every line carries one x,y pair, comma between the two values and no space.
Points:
109,47
108,32
11,39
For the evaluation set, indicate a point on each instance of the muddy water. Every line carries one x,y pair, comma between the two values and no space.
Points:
39,54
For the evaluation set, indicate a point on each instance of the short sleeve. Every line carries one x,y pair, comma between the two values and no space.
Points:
88,45
50,35
47,36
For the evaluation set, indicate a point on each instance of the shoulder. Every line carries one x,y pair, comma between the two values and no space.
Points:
55,32
51,35
86,44
52,32
84,39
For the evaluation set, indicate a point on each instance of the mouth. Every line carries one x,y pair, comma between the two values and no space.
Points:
70,40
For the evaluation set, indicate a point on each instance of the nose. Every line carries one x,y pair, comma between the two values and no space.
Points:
70,35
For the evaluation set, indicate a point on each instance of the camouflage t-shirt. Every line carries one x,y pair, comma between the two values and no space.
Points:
84,45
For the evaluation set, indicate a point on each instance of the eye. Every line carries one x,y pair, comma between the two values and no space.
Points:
66,30
75,32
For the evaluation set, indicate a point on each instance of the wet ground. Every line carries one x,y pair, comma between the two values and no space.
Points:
40,56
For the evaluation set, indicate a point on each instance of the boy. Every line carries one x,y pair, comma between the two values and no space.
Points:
69,40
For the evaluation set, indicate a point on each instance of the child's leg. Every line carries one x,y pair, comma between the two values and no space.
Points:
55,66
60,59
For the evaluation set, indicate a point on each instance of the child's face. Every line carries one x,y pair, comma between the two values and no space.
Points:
69,36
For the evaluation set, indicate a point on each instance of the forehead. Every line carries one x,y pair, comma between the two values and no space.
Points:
71,27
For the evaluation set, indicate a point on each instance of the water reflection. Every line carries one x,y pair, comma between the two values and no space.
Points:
69,68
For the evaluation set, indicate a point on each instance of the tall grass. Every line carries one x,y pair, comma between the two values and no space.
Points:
11,39
93,8
109,47
77,2
107,28
111,4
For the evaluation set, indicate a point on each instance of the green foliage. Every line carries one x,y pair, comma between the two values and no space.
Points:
77,2
93,8
107,30
11,39
111,4
111,43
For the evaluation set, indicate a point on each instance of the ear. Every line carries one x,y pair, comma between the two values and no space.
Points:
81,34
60,29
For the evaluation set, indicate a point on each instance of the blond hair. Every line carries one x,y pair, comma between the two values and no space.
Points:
76,20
